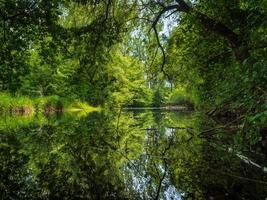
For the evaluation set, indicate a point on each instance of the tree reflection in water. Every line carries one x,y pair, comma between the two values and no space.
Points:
131,155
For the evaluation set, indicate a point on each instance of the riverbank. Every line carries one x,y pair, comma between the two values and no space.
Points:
27,106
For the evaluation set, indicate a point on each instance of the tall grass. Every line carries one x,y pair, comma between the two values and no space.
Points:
22,110
9,104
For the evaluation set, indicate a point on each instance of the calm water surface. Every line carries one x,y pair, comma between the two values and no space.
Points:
126,155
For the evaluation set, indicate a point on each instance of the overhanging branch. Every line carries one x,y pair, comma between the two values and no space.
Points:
154,27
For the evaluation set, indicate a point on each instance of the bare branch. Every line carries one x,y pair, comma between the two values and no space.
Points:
175,8
171,13
162,51
164,10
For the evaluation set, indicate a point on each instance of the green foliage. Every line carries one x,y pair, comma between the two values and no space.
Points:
158,98
60,48
60,56
179,97
216,74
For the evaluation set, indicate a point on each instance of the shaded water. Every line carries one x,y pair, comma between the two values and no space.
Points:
127,155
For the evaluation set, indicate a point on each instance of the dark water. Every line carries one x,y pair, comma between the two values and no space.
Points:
127,155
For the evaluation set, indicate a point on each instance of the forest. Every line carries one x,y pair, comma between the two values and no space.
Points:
126,73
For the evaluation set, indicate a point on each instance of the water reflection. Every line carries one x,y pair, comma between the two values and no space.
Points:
128,155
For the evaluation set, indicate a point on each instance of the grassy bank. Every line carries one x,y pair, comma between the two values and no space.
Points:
26,106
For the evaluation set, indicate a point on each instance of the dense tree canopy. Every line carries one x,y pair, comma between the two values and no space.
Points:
203,55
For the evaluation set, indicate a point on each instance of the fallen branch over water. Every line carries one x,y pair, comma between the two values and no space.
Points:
239,177
220,127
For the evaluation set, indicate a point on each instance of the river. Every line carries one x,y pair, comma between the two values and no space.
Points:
140,154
